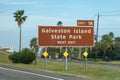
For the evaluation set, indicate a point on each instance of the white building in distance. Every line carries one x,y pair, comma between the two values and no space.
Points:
7,48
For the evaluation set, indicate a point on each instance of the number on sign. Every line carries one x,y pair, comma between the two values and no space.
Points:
90,23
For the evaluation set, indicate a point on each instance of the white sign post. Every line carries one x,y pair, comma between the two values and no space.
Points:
66,54
45,54
85,54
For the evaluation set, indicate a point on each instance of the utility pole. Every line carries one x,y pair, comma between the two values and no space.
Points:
97,36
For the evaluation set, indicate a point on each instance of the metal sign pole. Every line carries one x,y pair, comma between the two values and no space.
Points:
46,49
66,61
85,63
86,60
45,62
46,59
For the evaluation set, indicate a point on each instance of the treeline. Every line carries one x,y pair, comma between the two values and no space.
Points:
107,48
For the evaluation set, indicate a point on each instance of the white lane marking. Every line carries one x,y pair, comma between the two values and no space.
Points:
32,73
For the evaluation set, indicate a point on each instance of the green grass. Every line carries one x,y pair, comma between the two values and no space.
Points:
111,62
4,57
93,72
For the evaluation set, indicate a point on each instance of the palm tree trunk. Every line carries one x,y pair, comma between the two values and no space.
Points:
20,39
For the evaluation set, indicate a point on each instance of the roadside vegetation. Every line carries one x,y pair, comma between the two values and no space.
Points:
20,19
93,72
26,56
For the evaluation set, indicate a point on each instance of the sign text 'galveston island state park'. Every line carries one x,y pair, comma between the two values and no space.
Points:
65,36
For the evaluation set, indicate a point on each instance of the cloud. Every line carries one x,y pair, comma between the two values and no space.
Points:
2,11
45,17
14,2
50,20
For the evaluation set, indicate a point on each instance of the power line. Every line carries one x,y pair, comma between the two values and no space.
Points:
118,14
94,16
108,13
115,11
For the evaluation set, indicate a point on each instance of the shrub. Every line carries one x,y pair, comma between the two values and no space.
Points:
16,57
27,56
10,57
106,59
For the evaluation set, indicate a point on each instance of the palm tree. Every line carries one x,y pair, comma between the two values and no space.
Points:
59,23
20,18
111,34
34,47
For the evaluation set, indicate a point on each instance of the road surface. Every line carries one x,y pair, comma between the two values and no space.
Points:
14,73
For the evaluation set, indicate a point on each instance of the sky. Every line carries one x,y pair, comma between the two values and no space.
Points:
49,12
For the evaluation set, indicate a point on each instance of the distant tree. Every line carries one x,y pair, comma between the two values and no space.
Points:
106,46
116,50
33,44
111,34
117,39
53,52
59,23
34,47
20,18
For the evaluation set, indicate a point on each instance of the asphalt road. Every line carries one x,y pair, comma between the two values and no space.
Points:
14,73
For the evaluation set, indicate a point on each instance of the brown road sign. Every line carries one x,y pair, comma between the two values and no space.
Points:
85,23
65,36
